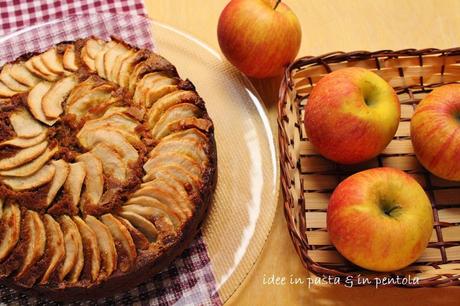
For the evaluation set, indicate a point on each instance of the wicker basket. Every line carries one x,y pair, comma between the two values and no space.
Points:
308,179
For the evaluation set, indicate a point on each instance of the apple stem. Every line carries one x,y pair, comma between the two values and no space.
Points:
276,5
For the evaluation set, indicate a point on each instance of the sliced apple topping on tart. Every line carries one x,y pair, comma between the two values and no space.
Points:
141,223
33,166
165,124
94,182
99,59
108,251
34,101
23,156
20,142
92,260
21,74
36,65
60,177
112,163
69,59
55,245
110,59
74,258
126,248
57,93
165,102
74,183
141,242
5,91
53,61
11,229
39,178
91,99
111,138
9,81
24,125
153,201
36,242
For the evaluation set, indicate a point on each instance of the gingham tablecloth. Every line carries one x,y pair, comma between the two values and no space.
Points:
189,280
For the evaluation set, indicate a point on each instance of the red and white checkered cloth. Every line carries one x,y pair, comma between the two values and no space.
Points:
189,280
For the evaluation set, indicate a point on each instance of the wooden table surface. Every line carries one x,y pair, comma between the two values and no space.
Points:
327,26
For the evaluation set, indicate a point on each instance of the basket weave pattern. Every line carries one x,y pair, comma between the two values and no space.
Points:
308,179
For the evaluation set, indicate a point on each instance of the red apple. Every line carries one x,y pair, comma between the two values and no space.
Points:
351,115
435,132
380,219
259,37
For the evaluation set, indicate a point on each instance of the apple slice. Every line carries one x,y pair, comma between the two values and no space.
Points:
165,102
36,66
36,243
159,219
94,46
20,73
115,75
173,214
191,148
9,81
24,124
23,143
168,185
116,118
32,167
53,99
126,249
74,182
141,242
142,224
2,202
23,156
34,101
112,163
53,61
39,178
110,58
92,99
82,89
69,60
5,91
174,159
144,83
90,248
60,176
54,245
181,174
11,229
94,182
111,138
99,59
108,251
119,122
175,113
152,63
74,257
159,89
127,67
163,192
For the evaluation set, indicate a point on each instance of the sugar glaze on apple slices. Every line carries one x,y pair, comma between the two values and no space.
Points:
113,92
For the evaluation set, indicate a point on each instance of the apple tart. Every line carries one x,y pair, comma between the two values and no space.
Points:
107,168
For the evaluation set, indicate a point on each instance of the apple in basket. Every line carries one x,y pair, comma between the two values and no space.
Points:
351,115
380,219
435,132
259,37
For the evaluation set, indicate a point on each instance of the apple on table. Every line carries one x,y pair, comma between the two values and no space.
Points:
259,37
